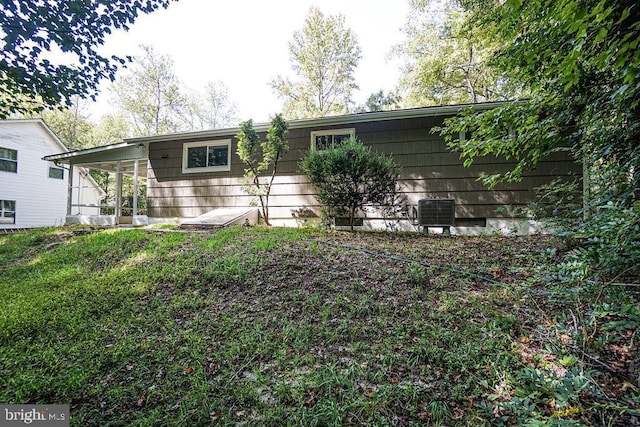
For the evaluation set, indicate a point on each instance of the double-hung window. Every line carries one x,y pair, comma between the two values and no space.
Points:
323,139
8,160
7,212
209,156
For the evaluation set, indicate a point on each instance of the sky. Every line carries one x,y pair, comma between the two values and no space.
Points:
244,44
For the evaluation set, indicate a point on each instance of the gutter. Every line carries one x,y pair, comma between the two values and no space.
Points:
377,116
323,121
72,154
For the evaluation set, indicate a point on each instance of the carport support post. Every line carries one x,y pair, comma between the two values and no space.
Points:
135,188
118,210
70,190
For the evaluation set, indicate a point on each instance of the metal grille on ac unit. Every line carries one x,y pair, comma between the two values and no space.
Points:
436,212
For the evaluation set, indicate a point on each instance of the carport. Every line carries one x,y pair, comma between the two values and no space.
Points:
125,158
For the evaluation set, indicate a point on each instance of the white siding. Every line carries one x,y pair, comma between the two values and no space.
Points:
40,200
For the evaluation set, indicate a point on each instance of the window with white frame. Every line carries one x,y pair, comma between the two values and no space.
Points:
209,156
7,211
55,171
324,139
8,160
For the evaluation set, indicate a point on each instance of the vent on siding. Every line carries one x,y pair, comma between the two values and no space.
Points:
436,212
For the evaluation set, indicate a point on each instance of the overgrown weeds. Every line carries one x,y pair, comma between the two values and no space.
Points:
263,326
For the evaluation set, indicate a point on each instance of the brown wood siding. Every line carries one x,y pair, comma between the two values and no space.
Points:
429,169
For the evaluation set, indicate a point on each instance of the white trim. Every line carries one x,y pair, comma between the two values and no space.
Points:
216,143
315,133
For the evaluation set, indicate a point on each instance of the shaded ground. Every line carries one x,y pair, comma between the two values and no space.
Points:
306,327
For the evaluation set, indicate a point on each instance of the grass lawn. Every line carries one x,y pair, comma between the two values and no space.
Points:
261,326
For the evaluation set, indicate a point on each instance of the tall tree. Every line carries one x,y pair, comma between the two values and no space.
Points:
29,30
150,93
379,101
447,61
581,62
211,109
70,123
111,129
324,56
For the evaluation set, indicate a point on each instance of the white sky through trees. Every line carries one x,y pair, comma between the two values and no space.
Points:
244,44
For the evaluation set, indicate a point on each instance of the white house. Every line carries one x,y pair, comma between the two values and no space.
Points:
35,192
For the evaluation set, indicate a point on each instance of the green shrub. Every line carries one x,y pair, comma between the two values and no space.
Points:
350,178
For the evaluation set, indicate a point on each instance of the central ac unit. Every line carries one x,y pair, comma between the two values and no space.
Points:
436,212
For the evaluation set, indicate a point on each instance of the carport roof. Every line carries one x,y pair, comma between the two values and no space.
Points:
106,157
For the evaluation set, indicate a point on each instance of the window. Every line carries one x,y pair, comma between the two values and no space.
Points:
323,139
56,171
8,160
511,134
212,156
7,212
466,135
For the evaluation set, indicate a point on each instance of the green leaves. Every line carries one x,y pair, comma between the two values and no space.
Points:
275,143
248,143
324,55
350,177
581,63
77,27
260,156
447,58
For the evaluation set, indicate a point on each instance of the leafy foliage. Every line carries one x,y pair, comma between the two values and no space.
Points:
30,30
260,156
150,93
212,108
579,60
350,177
379,101
580,63
70,124
559,394
447,58
324,55
155,101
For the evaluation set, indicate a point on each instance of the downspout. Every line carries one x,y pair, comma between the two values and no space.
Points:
118,207
70,189
135,188
80,190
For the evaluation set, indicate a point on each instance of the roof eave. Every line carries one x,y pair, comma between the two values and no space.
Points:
72,154
322,121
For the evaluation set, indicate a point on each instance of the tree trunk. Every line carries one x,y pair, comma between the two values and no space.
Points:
352,217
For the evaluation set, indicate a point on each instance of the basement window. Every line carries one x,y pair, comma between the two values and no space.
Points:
323,139
7,211
345,222
210,156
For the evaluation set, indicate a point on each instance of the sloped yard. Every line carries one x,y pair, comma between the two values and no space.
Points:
302,327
